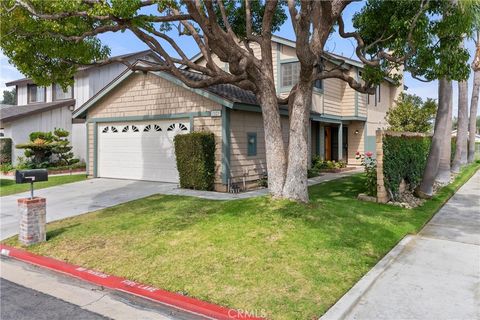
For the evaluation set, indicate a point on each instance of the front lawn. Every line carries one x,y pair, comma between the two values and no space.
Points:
287,260
8,186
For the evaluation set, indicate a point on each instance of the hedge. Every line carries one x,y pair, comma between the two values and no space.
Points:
195,153
404,157
5,150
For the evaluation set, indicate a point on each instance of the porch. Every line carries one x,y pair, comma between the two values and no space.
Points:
337,141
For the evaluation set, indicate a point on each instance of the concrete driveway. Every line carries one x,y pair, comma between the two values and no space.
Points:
80,197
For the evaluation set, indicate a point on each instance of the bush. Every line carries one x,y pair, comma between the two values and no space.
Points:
370,165
195,153
47,149
404,157
5,150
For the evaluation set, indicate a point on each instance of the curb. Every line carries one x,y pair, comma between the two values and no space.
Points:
177,301
346,303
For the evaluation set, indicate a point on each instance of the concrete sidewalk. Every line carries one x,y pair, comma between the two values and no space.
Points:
433,275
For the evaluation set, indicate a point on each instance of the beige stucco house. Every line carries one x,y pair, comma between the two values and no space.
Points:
132,121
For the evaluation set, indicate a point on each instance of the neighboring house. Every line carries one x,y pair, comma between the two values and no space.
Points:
132,121
46,108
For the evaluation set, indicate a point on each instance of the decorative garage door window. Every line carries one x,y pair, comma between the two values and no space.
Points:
150,127
178,126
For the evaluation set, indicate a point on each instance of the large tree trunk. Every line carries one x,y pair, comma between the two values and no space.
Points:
472,128
444,168
296,182
444,96
274,144
460,158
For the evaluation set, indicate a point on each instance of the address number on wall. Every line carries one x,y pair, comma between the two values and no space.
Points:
216,113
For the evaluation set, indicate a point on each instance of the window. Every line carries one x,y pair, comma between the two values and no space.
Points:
35,93
59,94
318,84
251,144
379,92
368,98
290,73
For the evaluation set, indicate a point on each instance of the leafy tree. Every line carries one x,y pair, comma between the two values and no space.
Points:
63,36
436,55
412,114
9,97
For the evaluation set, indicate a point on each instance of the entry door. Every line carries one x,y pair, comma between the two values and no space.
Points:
139,150
328,143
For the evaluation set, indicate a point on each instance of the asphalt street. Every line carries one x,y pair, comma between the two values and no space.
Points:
21,303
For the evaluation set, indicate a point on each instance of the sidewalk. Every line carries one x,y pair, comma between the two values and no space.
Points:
433,275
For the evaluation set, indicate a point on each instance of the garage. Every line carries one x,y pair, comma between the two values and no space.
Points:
139,150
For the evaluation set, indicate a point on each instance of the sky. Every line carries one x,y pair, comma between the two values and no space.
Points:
121,43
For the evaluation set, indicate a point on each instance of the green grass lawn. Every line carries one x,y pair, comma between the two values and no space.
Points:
8,187
291,260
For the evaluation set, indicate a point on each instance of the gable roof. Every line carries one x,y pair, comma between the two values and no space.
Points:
12,113
132,55
225,94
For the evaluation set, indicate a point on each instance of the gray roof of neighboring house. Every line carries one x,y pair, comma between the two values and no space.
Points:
128,55
12,113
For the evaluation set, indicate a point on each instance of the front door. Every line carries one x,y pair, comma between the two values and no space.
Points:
328,143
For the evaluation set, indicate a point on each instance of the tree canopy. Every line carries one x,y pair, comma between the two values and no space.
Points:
412,114
9,97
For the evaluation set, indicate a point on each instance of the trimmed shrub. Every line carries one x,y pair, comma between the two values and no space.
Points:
195,153
404,157
5,150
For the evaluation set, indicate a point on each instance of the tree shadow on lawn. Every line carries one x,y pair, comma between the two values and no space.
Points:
51,234
345,222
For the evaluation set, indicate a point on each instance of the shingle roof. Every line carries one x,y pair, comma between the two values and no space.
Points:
11,113
227,91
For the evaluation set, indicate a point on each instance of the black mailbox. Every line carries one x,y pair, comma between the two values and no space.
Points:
30,176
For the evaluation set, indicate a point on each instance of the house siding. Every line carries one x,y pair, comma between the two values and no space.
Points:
356,142
242,165
20,129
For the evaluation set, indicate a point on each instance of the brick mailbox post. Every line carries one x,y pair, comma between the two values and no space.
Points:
33,219
32,211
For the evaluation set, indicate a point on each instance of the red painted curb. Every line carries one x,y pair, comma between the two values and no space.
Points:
117,283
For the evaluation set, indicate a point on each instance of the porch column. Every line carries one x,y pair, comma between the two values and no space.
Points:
309,144
321,140
340,142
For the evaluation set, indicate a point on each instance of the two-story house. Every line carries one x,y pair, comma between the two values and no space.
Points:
46,108
132,121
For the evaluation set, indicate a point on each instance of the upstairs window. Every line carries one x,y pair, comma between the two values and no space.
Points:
290,73
60,94
36,93
379,92
318,84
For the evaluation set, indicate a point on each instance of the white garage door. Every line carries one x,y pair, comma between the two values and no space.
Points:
139,150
